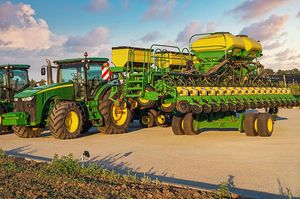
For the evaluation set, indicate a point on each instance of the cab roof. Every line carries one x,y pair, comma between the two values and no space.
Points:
75,60
15,66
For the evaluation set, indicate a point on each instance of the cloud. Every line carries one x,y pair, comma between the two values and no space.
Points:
159,9
91,41
271,46
27,39
266,29
284,55
97,5
151,36
251,9
194,27
20,29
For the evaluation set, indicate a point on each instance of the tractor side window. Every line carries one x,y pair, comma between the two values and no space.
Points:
94,77
19,80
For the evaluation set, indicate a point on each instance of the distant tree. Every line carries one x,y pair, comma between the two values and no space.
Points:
42,82
280,72
32,83
268,71
294,71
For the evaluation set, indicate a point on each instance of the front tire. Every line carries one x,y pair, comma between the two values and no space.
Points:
66,120
27,132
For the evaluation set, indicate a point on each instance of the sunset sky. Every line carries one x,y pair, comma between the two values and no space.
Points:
33,30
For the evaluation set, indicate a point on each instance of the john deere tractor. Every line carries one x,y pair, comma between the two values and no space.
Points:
79,100
13,79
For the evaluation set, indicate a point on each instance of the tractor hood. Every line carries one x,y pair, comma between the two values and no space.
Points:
30,92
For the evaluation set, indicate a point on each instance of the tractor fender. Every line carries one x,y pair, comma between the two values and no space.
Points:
102,91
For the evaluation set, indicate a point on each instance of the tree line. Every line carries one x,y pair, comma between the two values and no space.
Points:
294,71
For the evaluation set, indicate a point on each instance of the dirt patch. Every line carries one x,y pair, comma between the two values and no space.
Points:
64,177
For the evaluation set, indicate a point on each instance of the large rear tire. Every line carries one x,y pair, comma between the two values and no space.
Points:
27,132
177,125
66,120
249,124
265,125
116,119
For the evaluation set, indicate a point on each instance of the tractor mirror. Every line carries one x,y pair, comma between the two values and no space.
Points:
43,71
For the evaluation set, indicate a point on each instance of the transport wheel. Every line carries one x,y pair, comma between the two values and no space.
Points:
116,119
27,132
265,124
177,125
188,122
66,120
144,102
163,119
147,118
249,124
167,107
3,129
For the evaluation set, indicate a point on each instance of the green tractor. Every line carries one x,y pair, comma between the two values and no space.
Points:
13,79
79,100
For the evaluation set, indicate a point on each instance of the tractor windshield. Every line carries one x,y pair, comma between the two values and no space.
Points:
19,80
75,73
72,73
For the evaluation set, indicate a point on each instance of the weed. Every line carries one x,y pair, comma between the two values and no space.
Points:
2,153
224,190
66,165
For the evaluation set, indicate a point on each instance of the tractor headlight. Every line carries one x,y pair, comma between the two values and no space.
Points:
27,99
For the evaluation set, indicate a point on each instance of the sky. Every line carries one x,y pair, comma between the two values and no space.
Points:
34,30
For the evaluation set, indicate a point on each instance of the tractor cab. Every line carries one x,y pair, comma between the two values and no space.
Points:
84,73
13,79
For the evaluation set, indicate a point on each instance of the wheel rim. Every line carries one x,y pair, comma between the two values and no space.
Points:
119,115
145,120
255,125
144,101
270,125
161,119
166,105
72,121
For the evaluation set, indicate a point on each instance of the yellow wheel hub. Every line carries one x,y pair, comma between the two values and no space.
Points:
161,119
119,115
270,125
145,120
72,121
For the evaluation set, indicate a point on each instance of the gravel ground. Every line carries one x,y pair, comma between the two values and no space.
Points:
252,166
